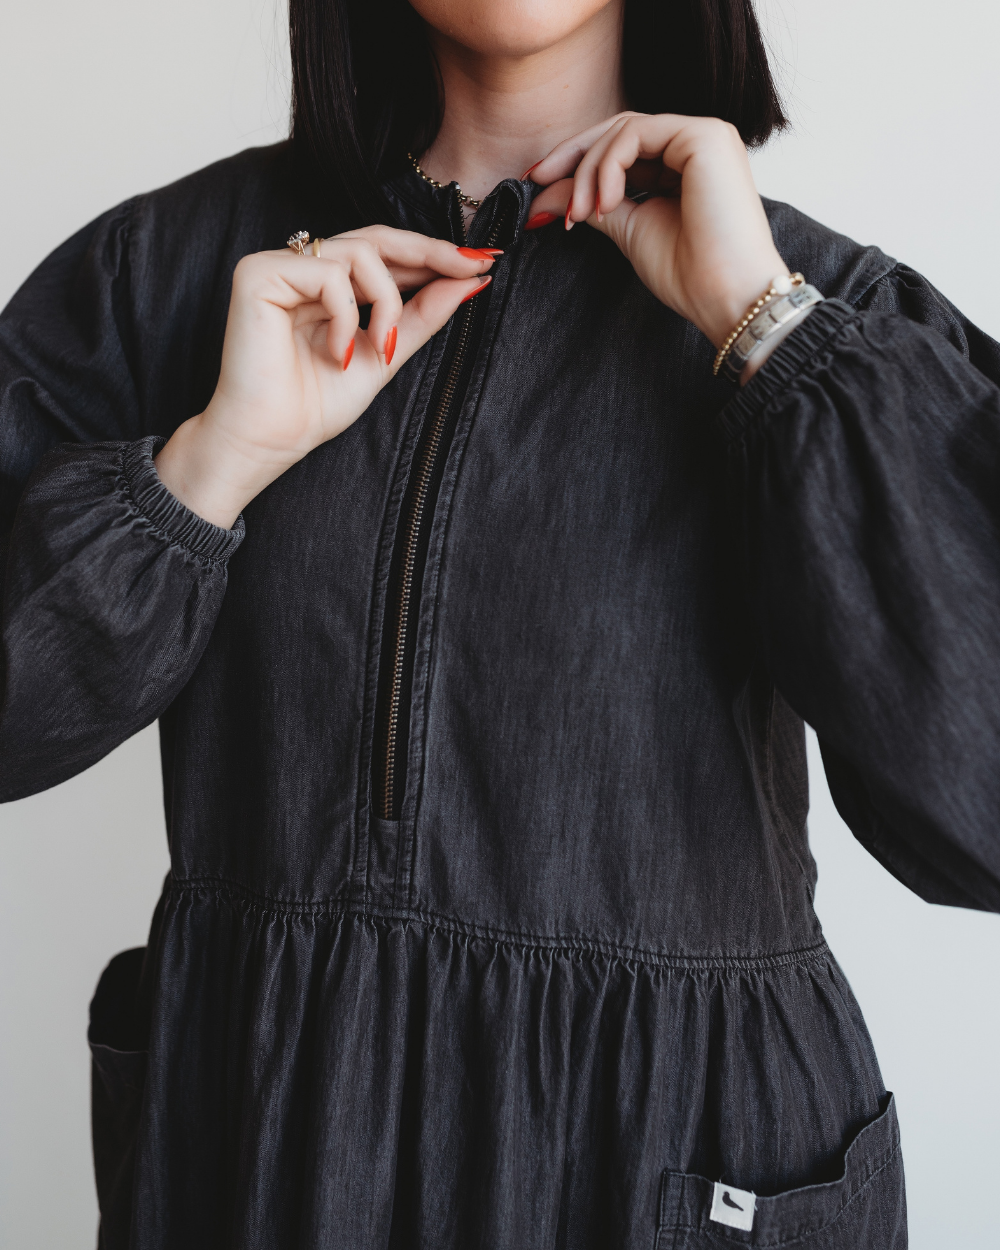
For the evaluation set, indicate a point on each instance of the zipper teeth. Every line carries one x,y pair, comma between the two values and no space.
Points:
414,521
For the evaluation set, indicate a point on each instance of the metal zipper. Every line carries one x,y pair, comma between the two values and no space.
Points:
403,596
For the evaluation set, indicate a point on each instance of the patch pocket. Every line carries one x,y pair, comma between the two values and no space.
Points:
118,1079
864,1210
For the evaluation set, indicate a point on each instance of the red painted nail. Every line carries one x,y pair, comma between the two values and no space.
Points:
390,345
566,221
480,253
347,355
524,176
481,287
539,220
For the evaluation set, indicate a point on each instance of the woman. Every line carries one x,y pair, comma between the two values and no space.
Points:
481,637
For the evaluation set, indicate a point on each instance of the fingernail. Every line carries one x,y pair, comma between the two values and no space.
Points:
566,221
390,345
480,253
347,355
597,207
481,287
539,220
524,176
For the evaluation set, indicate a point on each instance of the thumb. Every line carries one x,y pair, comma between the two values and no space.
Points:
549,204
429,310
553,202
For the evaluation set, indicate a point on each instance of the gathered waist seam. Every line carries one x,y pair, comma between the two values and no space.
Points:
559,944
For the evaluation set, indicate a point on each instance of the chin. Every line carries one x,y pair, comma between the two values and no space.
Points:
508,27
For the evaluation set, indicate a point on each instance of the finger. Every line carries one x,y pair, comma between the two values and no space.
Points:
618,223
585,197
408,250
673,140
280,278
642,144
565,156
337,300
407,279
550,205
638,143
429,310
307,288
373,284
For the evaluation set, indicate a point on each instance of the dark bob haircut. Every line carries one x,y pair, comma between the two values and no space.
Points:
365,89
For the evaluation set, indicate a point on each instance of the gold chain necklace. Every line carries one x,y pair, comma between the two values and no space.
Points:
467,200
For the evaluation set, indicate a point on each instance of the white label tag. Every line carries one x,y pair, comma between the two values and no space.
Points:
732,1206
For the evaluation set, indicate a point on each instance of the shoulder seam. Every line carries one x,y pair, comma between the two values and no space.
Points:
855,303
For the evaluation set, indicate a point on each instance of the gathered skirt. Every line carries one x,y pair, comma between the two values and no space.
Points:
320,1079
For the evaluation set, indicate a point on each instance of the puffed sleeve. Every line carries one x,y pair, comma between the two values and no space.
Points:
112,586
864,460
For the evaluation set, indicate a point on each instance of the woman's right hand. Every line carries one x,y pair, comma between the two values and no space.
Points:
296,370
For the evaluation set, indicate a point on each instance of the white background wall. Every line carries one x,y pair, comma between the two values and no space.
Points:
895,106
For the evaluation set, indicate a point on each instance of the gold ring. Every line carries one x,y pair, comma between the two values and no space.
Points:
297,242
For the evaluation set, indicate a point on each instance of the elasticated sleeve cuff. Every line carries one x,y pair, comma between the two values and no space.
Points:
810,343
177,523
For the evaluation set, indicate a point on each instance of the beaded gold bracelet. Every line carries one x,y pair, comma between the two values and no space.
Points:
783,284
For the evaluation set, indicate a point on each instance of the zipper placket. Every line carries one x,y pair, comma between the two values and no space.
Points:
403,595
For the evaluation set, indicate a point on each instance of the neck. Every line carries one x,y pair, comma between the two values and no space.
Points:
504,113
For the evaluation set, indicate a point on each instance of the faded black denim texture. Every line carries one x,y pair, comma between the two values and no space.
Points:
581,978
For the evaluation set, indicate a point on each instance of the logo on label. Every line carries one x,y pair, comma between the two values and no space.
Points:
732,1206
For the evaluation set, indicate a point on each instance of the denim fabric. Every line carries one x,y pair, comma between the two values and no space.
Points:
864,1206
585,957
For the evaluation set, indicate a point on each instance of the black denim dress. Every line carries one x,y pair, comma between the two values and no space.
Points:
489,922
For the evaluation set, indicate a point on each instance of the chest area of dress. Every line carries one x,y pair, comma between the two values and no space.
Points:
575,462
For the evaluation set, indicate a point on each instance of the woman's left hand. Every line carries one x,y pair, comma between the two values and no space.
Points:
701,242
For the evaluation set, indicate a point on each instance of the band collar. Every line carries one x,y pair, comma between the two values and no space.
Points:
437,211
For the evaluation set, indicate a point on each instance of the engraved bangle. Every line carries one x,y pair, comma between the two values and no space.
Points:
785,299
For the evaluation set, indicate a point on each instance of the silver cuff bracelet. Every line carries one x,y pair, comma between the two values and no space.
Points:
765,324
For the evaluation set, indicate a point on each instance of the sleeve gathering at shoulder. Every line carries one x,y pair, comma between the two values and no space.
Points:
66,373
904,291
865,458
